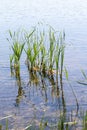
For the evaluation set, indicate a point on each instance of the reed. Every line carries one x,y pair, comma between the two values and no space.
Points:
32,51
17,47
0,127
51,48
40,56
62,44
85,122
43,55
43,59
57,58
6,124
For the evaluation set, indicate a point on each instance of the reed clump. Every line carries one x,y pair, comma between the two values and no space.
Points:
44,50
46,56
17,46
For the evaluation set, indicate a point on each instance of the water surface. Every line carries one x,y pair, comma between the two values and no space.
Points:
27,103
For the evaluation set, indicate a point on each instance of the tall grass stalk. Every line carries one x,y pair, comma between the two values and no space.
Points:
51,49
17,51
43,58
85,122
17,47
6,124
62,43
32,51
0,127
57,58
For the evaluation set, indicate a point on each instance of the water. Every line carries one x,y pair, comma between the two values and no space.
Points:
33,102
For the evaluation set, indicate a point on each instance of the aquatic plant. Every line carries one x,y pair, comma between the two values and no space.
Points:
43,55
6,124
0,127
51,49
32,51
17,46
43,59
62,48
40,58
17,51
85,122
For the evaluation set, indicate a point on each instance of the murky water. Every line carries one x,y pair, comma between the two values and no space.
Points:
29,103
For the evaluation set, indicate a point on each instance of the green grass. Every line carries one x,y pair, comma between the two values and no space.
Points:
17,46
85,122
44,50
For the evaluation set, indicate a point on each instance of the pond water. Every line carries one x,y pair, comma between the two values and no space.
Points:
30,103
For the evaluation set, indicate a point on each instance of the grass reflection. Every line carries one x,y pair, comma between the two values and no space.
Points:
45,65
15,72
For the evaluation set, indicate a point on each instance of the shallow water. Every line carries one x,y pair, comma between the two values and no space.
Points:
30,103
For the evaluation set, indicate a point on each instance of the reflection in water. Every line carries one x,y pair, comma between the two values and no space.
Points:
33,78
43,84
48,101
63,103
16,72
20,91
55,88
58,117
63,99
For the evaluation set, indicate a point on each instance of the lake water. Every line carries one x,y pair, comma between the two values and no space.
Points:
69,15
